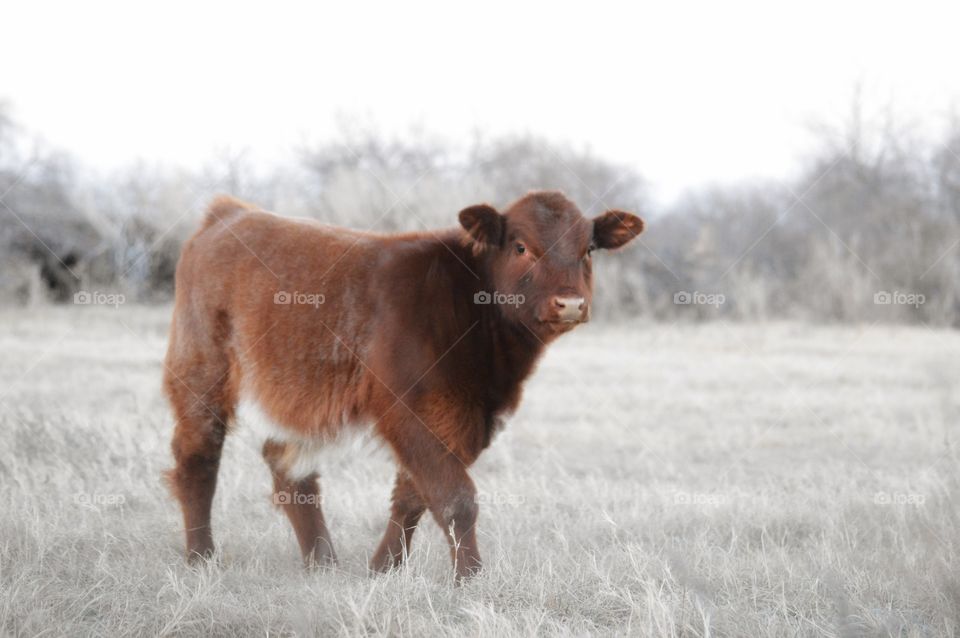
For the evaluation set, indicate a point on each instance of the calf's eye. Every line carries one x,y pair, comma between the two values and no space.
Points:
521,248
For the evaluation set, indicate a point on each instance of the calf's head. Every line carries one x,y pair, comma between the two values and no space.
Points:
538,257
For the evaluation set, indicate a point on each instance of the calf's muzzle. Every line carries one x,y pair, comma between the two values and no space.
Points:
569,309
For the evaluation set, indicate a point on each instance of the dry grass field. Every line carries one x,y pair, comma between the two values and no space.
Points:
687,480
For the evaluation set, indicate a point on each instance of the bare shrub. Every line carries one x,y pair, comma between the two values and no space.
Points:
873,211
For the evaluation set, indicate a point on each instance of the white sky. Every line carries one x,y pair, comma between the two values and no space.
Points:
687,93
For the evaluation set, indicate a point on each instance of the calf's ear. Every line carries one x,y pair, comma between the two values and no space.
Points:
615,228
484,224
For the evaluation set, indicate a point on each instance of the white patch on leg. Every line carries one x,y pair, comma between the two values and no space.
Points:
303,455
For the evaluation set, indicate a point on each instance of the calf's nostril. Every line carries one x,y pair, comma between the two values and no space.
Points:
569,307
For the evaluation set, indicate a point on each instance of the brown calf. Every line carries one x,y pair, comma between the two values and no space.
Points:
302,330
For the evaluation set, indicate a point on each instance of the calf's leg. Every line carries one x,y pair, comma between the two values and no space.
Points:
408,506
441,479
197,444
197,382
300,500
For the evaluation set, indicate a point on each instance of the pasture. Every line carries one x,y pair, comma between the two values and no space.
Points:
690,479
